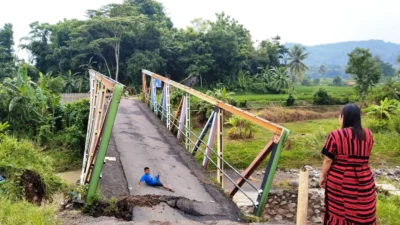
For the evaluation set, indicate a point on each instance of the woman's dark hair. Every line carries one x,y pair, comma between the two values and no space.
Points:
351,114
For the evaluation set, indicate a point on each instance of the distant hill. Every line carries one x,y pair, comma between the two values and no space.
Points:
335,54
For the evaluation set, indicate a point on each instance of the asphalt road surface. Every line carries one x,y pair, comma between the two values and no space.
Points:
141,140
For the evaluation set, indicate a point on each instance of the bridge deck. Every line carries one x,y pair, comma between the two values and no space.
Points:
141,141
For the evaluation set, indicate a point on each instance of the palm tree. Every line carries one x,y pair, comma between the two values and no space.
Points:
280,79
296,66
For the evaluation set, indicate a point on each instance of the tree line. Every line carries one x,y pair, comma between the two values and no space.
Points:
121,39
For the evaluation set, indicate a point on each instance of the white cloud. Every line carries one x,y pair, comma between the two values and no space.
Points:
307,21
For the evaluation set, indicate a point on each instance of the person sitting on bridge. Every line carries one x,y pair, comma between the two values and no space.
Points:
152,181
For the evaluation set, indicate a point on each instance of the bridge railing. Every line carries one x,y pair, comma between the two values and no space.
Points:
105,94
180,121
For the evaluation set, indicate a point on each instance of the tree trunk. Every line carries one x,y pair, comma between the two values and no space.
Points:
117,60
105,61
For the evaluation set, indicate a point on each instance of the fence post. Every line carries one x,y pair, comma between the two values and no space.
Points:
302,202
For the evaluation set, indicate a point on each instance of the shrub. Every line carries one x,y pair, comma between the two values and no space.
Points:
395,123
242,103
306,82
258,88
340,100
20,157
321,97
71,138
290,100
241,128
378,126
45,134
3,127
337,81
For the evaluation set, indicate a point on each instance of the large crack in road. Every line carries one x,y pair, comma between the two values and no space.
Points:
190,207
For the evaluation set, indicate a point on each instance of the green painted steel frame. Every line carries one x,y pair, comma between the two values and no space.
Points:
109,123
270,172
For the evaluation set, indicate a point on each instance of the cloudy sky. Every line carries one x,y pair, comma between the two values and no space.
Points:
309,22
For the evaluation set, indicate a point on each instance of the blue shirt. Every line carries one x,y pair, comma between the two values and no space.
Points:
148,179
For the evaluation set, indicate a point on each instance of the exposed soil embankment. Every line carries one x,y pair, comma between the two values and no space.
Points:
284,115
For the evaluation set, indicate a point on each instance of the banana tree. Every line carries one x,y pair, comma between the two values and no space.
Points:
384,111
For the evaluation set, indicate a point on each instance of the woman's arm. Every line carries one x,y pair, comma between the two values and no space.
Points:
325,168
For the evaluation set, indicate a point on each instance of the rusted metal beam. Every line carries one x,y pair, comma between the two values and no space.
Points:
220,104
253,166
107,82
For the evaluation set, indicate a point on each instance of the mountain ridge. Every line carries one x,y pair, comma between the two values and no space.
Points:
336,53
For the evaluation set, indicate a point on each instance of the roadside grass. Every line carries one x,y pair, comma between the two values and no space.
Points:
303,146
21,213
388,210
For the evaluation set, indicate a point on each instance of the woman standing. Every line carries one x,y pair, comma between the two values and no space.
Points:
350,197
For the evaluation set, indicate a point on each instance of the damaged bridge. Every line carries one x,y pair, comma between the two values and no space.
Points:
126,135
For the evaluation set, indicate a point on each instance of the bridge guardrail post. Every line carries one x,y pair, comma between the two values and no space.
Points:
220,163
187,122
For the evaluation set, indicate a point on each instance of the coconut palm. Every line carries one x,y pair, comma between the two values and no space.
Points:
296,66
280,79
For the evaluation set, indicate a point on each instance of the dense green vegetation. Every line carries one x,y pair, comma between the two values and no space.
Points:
30,177
38,137
119,40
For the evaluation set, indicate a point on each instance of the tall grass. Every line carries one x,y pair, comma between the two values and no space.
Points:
22,213
388,210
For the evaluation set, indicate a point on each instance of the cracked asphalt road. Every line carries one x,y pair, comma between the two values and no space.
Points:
141,140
